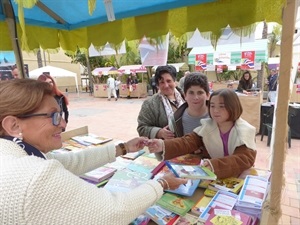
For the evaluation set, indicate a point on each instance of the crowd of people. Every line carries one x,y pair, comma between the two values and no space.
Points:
190,119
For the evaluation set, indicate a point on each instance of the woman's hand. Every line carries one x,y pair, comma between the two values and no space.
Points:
170,182
165,133
136,144
155,145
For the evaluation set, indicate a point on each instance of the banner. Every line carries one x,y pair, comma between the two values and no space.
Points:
222,58
154,54
200,62
247,60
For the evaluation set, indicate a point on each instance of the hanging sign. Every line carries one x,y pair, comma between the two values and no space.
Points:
247,60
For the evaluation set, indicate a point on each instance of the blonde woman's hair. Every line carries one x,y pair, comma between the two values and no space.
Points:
20,97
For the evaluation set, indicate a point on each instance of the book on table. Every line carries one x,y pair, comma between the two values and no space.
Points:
199,207
133,155
175,203
125,180
185,190
226,217
99,174
146,162
192,172
161,216
230,184
188,219
142,219
222,200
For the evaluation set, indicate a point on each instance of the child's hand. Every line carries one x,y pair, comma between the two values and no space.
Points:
205,163
155,145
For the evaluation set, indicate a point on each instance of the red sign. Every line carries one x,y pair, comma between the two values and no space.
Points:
247,61
219,68
200,62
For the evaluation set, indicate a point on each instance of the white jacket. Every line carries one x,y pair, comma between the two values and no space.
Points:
37,191
242,133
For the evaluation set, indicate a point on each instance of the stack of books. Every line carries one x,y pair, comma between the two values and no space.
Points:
253,195
98,175
161,216
231,184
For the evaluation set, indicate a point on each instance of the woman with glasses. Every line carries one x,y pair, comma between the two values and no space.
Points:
61,99
42,188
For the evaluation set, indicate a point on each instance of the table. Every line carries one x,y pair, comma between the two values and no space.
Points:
295,119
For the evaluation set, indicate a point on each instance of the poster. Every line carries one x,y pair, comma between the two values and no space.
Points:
247,60
201,62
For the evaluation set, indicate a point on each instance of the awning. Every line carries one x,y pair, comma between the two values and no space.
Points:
132,69
105,71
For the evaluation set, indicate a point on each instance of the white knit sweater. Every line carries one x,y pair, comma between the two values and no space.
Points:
37,191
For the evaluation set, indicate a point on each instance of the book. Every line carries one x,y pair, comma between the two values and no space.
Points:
204,183
222,200
161,216
192,172
199,207
253,192
225,217
175,203
209,193
186,190
230,184
126,180
188,159
188,219
146,162
133,155
142,219
99,174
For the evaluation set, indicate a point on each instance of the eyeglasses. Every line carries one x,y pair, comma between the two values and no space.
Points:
56,117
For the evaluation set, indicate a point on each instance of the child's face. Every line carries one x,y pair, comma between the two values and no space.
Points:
196,97
217,109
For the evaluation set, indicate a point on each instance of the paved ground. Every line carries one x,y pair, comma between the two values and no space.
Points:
118,119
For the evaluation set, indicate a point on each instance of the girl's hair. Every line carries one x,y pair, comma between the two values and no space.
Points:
56,91
160,70
20,97
196,79
231,101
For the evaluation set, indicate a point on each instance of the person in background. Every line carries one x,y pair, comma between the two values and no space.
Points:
135,80
181,81
15,72
187,117
153,84
111,88
272,84
129,83
61,99
44,188
155,113
117,86
226,140
245,83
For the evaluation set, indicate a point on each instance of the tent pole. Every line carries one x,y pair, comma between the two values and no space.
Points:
272,208
11,23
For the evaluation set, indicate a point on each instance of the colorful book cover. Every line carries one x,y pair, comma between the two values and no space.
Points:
145,163
188,159
99,174
142,219
222,200
201,204
230,184
188,219
126,180
161,216
175,203
185,190
193,172
254,191
209,193
225,217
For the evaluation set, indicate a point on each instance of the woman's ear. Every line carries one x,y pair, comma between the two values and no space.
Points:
11,126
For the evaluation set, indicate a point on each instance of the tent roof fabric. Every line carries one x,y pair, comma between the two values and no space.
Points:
105,71
217,15
133,69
